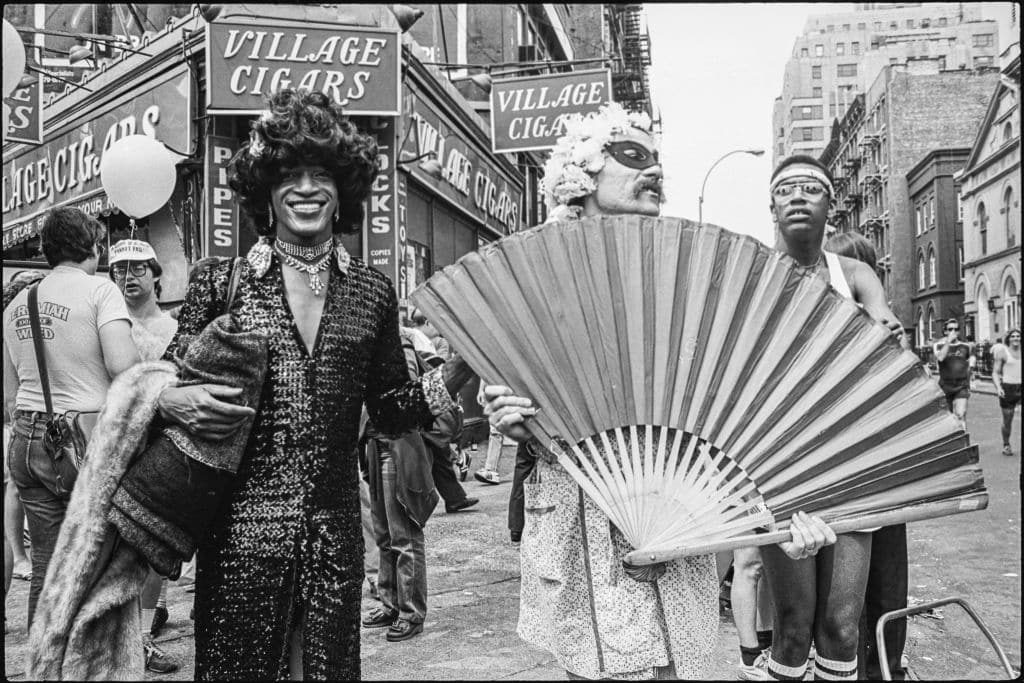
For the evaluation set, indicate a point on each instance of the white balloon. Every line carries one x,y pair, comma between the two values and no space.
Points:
14,58
138,175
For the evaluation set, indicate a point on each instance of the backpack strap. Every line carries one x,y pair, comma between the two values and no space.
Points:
236,276
37,342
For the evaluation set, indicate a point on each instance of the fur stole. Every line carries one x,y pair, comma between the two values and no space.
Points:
83,632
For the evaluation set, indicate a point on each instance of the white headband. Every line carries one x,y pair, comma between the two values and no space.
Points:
803,172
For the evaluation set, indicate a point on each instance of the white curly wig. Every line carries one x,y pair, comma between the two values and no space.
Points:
578,156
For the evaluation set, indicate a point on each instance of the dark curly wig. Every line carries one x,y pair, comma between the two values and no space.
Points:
304,128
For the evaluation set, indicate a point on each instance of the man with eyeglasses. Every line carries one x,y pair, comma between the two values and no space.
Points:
819,598
136,271
956,365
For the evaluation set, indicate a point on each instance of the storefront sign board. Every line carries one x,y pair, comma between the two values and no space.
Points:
382,228
25,123
357,67
469,179
65,171
529,113
220,216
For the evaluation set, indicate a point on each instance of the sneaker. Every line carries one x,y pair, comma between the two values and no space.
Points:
157,660
379,617
461,505
758,671
159,619
487,476
1007,451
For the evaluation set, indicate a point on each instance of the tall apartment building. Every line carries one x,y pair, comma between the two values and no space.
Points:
906,114
839,55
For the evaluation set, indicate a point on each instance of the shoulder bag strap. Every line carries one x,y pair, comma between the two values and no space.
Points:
236,275
37,341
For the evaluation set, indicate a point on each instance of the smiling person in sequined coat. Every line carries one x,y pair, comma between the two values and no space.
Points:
278,583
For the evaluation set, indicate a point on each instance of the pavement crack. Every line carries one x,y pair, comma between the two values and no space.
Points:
477,585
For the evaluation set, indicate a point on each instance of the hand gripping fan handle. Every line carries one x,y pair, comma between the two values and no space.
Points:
910,513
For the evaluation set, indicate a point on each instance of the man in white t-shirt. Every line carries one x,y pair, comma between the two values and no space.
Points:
86,336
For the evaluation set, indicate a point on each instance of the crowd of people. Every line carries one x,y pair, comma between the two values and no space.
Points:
356,422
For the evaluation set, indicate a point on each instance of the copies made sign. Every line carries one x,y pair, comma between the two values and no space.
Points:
529,113
26,114
358,68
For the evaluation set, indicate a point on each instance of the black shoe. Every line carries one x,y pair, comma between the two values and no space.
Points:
461,505
379,617
403,629
159,619
516,537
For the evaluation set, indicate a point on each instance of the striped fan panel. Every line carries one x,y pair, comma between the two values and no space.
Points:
699,386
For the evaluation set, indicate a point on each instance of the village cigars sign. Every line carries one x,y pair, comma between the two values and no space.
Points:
65,171
529,113
356,67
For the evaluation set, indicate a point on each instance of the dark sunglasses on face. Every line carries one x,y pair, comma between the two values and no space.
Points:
138,269
632,154
810,190
952,329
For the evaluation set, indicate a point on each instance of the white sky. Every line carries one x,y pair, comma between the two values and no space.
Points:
716,70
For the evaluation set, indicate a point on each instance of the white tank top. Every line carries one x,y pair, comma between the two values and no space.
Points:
835,275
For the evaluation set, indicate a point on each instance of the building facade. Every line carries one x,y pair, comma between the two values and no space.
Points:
905,114
938,242
838,56
990,201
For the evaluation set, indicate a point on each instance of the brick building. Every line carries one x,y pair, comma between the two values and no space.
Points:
990,199
938,241
904,115
839,55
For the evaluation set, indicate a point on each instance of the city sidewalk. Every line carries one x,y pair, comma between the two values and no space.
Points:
473,575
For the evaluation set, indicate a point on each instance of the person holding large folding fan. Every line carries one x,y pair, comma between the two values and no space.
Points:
599,617
279,575
820,598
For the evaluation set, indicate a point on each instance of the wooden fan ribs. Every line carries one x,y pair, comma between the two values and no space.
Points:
702,383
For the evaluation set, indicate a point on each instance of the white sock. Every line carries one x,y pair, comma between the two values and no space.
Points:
833,670
781,672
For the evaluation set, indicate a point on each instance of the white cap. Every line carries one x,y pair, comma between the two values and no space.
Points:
132,250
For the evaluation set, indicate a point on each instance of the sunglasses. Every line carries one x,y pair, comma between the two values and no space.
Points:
632,154
812,190
138,269
952,329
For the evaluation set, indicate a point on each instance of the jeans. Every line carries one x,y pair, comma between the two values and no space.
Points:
445,481
371,558
44,486
516,510
402,576
886,591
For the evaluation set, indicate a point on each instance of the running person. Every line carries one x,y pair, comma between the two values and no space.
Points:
1006,378
956,363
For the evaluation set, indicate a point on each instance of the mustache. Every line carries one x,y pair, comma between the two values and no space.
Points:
652,184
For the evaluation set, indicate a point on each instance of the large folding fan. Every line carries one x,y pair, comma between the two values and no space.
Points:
700,387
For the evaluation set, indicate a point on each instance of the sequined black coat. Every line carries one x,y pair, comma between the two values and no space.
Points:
286,543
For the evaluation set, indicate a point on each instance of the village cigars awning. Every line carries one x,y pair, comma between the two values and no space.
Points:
96,204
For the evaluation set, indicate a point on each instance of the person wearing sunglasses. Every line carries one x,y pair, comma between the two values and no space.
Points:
956,366
819,598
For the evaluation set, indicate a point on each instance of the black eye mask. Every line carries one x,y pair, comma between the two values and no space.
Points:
632,154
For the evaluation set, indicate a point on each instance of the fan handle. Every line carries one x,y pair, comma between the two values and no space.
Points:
911,513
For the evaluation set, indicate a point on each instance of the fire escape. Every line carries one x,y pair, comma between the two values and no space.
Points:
630,80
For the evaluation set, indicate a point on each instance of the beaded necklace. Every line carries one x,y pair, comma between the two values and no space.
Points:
310,260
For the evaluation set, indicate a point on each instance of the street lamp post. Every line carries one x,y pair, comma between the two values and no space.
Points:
700,199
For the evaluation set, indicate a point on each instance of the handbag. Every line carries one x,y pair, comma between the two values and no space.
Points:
67,435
